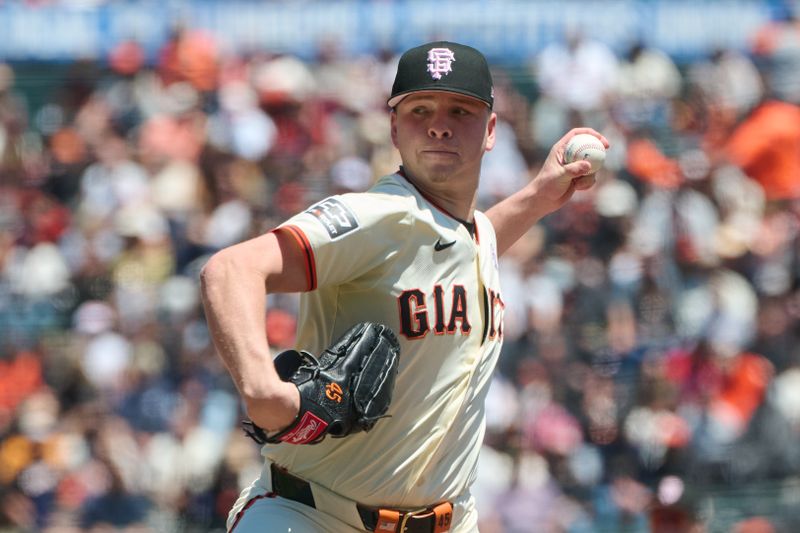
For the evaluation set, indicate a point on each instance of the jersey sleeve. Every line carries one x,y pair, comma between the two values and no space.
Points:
344,237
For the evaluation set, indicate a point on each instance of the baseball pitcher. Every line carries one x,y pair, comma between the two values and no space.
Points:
375,421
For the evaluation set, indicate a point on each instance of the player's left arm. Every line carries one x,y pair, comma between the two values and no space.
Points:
234,284
552,187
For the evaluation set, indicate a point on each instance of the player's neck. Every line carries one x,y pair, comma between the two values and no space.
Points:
459,204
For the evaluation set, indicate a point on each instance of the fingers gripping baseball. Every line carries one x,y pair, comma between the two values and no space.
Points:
566,170
577,169
585,182
585,147
347,389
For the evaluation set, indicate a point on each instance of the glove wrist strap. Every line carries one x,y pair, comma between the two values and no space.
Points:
306,428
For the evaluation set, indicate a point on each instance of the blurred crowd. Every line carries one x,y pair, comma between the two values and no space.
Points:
651,368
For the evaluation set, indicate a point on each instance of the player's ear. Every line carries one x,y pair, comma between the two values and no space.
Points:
491,129
393,129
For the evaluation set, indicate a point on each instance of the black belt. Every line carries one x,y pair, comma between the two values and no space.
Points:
430,520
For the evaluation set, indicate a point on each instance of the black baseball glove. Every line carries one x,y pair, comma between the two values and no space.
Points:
346,390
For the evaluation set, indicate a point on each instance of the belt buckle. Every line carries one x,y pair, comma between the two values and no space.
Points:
410,514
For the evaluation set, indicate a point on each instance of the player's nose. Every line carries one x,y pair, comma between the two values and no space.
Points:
439,130
439,125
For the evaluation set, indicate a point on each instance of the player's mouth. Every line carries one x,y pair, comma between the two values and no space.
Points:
440,152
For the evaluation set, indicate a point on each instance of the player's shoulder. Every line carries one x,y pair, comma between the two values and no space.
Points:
390,188
385,206
389,198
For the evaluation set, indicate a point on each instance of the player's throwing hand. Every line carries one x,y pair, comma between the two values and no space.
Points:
559,179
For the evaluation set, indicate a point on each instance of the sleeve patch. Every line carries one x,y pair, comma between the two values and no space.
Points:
335,217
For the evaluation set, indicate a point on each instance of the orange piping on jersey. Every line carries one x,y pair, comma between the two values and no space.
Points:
305,245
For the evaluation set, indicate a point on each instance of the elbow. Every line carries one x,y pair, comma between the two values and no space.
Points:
209,272
227,272
210,267
214,272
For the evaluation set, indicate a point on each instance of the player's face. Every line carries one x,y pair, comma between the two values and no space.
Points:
442,136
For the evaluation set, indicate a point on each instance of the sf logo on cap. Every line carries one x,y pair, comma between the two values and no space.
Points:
439,60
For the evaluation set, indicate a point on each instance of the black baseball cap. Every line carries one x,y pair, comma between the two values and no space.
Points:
443,66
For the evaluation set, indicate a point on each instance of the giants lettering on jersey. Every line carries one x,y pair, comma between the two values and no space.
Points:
447,314
496,308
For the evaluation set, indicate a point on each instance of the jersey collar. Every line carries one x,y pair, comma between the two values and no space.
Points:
471,227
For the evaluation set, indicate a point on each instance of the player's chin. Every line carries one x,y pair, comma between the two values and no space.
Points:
440,172
441,176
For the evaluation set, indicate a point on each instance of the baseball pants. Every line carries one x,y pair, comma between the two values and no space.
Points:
272,514
258,510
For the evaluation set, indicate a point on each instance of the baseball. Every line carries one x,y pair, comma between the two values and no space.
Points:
588,147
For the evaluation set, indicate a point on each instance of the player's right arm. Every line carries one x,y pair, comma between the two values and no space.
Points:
234,283
552,187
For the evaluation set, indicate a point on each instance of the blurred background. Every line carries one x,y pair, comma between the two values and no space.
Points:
650,379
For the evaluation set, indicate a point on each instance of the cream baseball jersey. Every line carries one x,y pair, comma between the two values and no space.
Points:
390,255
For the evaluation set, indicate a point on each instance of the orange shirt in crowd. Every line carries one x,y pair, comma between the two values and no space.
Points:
19,378
192,56
745,385
647,162
766,145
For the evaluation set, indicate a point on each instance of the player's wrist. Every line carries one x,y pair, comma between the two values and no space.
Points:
538,202
276,409
344,390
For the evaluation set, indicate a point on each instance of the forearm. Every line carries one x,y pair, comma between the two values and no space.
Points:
234,300
552,187
515,215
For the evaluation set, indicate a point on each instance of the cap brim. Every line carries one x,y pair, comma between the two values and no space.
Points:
393,101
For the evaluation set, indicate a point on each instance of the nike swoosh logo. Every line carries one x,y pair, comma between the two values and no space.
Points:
439,246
